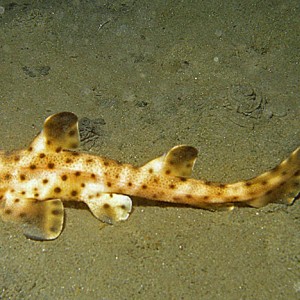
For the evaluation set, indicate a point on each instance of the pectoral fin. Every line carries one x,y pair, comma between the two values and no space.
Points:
110,208
40,220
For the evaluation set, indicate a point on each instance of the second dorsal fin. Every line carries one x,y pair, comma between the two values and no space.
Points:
179,161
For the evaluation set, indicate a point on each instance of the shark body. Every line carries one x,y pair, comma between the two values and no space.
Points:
35,181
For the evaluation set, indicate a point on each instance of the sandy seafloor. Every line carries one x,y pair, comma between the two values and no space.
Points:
144,76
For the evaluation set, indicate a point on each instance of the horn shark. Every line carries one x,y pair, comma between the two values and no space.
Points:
35,181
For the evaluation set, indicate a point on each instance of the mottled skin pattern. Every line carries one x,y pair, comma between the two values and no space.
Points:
34,181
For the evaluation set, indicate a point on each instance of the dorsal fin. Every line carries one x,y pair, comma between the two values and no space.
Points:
60,132
179,161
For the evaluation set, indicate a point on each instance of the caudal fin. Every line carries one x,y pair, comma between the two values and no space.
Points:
280,185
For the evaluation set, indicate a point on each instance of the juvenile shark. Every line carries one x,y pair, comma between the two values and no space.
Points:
35,181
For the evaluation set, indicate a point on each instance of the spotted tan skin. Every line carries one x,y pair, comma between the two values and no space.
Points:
35,181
